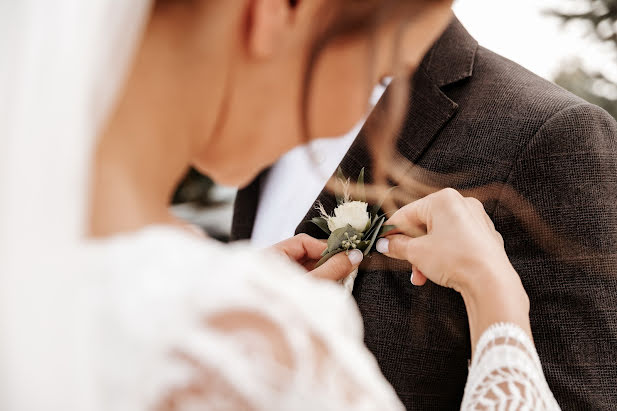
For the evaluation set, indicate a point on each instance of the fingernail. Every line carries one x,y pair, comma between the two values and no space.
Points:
411,278
355,257
383,245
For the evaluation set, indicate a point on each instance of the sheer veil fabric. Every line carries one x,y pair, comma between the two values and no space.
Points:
61,63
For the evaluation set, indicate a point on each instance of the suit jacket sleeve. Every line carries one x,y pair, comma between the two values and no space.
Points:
558,216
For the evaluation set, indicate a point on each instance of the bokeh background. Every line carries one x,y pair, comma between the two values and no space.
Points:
570,42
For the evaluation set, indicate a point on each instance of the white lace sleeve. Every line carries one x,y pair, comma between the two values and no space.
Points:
216,328
506,374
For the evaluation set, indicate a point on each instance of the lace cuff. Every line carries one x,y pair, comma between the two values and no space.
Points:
506,373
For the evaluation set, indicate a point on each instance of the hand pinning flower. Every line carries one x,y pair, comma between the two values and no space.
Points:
352,226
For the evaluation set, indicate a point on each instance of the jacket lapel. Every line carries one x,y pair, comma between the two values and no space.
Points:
357,157
429,110
245,209
450,60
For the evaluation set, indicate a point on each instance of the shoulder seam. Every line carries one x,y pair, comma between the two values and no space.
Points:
526,146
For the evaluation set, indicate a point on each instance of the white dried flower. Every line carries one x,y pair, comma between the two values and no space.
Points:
353,213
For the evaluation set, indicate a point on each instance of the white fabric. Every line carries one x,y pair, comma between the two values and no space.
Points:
506,373
171,311
158,319
60,64
295,181
195,328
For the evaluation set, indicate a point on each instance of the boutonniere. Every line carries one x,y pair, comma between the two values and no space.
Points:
353,225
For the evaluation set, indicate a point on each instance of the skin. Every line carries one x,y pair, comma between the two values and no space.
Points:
217,85
450,240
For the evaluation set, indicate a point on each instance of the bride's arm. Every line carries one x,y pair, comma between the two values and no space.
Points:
254,359
498,298
450,240
505,372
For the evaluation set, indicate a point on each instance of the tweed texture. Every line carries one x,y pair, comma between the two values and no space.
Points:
553,159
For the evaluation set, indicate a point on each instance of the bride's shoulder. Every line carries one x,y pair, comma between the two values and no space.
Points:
169,248
178,259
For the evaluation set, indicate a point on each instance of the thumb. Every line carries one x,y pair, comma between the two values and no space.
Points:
339,266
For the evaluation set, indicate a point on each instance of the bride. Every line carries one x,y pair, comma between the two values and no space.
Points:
108,302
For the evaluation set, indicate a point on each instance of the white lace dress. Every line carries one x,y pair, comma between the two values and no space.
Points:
181,323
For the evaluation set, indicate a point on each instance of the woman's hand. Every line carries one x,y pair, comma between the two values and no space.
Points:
306,251
450,240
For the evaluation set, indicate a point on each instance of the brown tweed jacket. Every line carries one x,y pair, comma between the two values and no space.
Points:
474,112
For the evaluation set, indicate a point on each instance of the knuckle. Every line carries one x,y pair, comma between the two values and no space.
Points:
475,203
449,199
394,247
491,223
410,248
451,194
302,236
399,214
341,262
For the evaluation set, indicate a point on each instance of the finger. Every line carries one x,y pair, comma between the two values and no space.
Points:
339,266
414,218
417,251
301,247
399,246
410,219
500,238
417,277
478,209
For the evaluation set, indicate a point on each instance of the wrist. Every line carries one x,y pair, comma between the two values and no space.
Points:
498,279
497,295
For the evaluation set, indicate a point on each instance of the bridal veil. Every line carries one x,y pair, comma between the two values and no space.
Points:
61,63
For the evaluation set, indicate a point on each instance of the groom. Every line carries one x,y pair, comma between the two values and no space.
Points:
477,113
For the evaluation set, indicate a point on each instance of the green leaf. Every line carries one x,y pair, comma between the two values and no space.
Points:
321,223
369,224
340,180
373,237
360,185
340,175
363,245
342,234
329,256
377,206
373,226
368,233
337,237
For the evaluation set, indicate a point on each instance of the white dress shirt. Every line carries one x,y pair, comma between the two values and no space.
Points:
295,181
